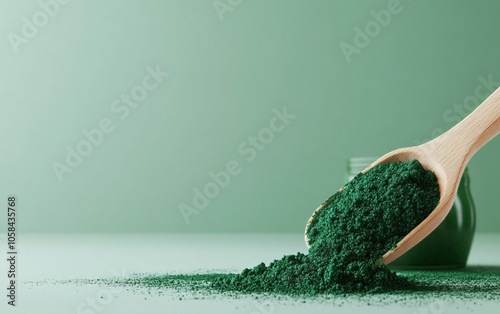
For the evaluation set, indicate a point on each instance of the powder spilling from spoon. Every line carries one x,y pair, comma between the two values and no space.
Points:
347,240
349,236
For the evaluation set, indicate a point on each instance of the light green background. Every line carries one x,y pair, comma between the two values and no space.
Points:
226,77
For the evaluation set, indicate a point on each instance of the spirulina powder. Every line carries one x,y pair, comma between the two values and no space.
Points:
347,240
349,236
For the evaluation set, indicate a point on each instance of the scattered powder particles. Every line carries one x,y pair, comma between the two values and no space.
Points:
433,291
347,240
349,236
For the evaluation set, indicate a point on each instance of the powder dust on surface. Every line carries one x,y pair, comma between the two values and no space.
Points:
347,240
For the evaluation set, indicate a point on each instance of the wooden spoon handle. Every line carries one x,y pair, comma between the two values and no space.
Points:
468,136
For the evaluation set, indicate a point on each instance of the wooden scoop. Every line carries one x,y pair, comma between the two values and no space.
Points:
447,156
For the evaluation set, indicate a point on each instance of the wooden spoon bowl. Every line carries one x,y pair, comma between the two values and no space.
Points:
447,156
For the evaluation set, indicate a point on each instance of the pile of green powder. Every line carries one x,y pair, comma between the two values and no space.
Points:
349,236
347,240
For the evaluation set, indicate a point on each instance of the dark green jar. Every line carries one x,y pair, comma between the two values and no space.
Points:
448,246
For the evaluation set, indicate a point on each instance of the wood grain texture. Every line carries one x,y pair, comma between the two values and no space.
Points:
447,156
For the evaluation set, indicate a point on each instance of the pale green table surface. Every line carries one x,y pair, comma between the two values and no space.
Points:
57,257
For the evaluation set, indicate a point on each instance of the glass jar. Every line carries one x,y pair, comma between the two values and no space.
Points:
448,246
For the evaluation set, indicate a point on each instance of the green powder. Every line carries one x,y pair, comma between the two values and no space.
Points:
472,284
349,236
347,240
